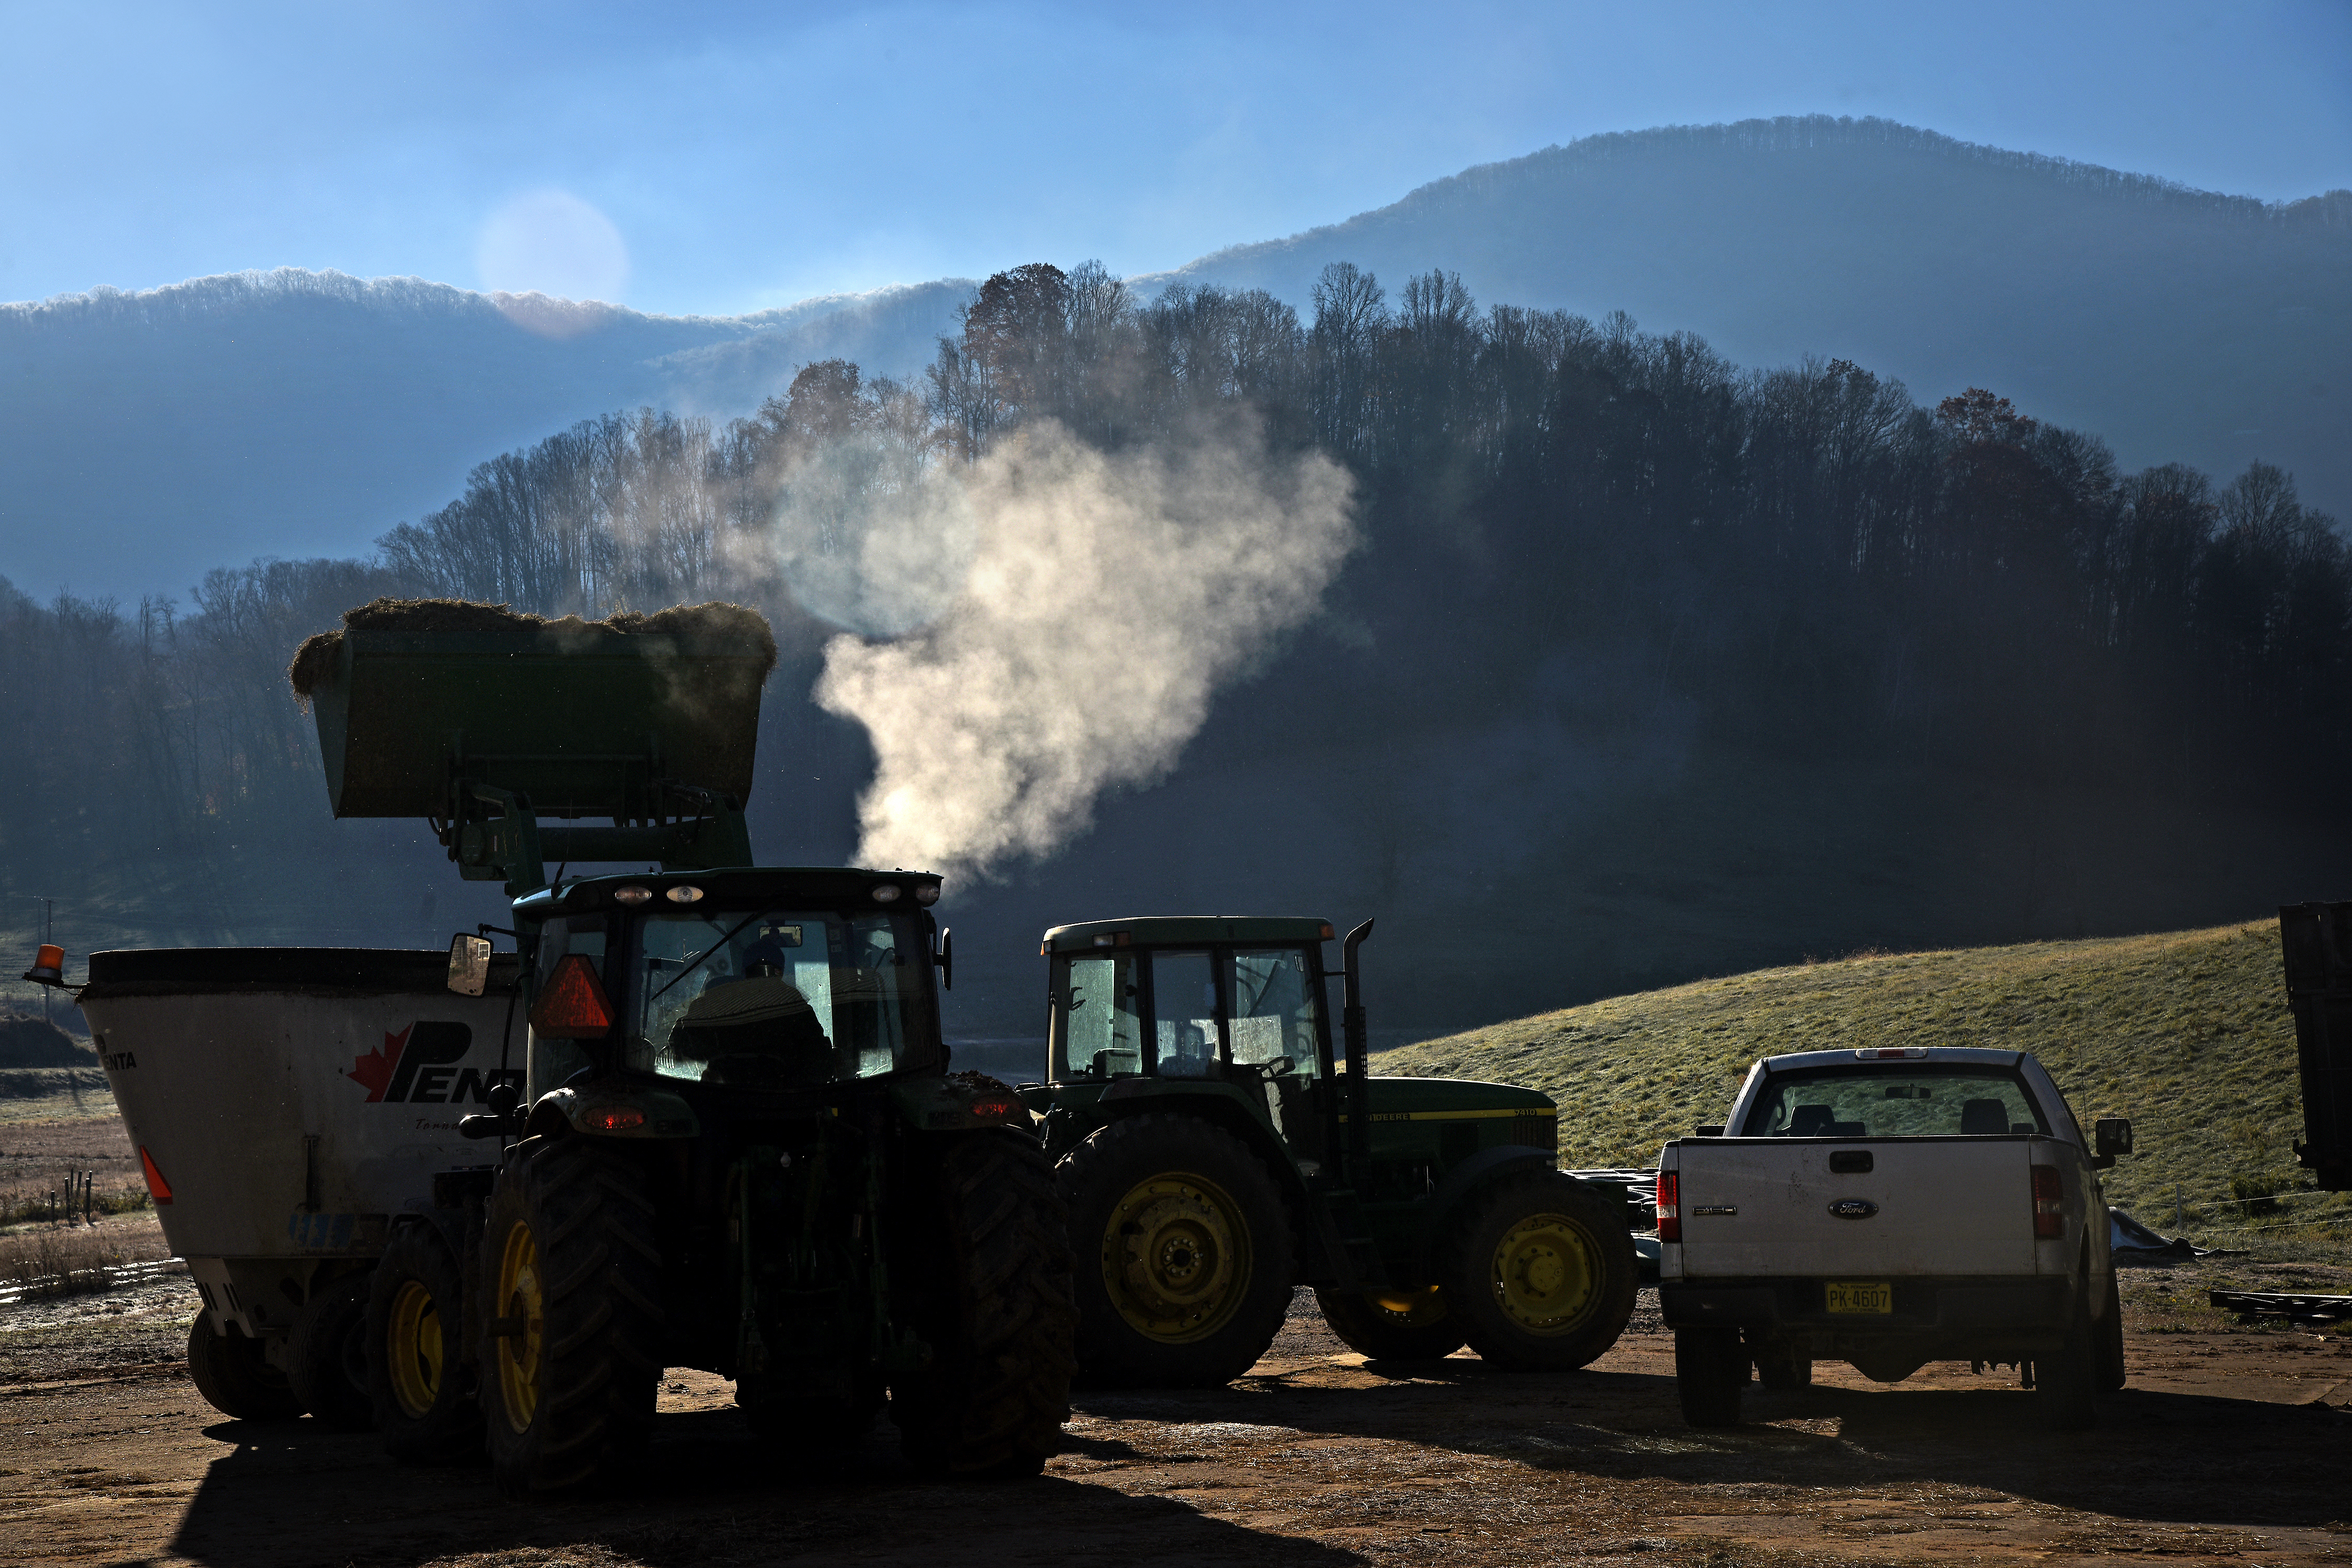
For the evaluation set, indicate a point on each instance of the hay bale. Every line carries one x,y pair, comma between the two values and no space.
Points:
314,661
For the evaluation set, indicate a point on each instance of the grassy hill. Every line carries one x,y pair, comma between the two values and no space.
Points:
2187,1033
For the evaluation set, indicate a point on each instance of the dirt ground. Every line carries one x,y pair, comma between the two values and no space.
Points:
2232,1444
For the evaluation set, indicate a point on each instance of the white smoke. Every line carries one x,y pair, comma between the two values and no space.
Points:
871,535
1104,599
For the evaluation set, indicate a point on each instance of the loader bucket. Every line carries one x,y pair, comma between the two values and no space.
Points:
578,716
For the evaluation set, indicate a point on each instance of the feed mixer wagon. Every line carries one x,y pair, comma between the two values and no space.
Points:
289,1107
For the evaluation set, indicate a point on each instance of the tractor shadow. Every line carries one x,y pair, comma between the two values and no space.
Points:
706,1492
2158,1457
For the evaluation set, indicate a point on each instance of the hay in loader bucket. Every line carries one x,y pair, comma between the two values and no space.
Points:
580,716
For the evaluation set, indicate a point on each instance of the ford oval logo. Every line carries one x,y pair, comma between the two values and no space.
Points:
1854,1208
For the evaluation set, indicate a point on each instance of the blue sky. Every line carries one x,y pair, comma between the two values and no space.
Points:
720,159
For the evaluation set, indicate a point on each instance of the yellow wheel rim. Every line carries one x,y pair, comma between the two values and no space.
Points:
1176,1258
520,1349
413,1352
1546,1274
1408,1308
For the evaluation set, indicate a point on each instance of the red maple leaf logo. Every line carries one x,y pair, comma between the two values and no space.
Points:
374,1069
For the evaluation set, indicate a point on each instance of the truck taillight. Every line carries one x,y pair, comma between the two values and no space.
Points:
1670,1206
2049,1203
157,1187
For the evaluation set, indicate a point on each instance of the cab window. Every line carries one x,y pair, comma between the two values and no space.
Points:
1184,1015
1894,1102
1098,1017
1273,1011
779,998
550,1061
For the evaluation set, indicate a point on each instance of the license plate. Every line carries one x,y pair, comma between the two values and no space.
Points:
1850,1295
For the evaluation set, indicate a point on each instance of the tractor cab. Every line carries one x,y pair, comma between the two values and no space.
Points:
1200,1000
770,981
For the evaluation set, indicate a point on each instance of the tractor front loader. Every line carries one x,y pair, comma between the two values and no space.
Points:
1214,1158
737,1147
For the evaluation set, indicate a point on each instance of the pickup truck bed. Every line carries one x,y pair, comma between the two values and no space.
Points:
1850,1221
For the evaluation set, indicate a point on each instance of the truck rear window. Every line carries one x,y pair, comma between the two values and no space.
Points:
1888,1100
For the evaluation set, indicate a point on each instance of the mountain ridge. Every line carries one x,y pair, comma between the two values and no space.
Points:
2177,324
294,412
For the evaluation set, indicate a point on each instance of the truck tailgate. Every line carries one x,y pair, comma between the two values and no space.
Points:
1927,1206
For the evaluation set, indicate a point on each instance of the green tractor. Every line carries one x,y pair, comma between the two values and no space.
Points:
737,1147
1212,1155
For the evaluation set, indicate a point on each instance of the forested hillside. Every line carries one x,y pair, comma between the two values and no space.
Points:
2184,326
1643,667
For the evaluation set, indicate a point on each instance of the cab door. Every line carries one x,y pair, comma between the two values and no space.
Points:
1276,1040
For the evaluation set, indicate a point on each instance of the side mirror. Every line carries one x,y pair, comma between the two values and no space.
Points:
470,964
945,959
2110,1136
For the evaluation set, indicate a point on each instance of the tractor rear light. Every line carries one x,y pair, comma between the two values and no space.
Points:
999,1108
1670,1206
2049,1203
615,1117
573,1006
888,893
632,895
926,893
1327,934
684,895
157,1187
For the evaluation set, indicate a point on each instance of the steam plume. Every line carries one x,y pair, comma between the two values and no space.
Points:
1108,598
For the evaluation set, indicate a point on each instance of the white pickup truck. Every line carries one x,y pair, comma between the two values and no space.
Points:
1890,1207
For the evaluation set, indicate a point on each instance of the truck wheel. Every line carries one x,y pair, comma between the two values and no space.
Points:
234,1377
1422,1330
1540,1273
2112,1373
418,1387
1183,1253
1781,1366
992,1402
572,1317
2066,1385
1710,1372
326,1355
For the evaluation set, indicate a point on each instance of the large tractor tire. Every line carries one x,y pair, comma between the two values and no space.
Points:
234,1377
991,1403
1184,1255
1401,1327
1541,1273
418,1385
570,1360
326,1355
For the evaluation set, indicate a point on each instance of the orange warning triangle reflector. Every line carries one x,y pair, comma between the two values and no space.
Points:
157,1187
574,1005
